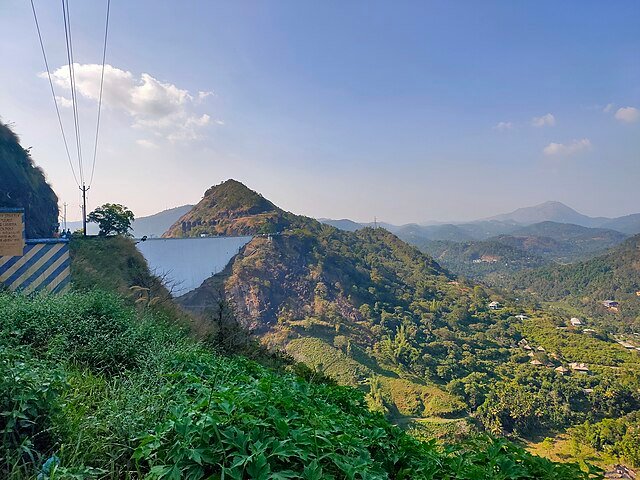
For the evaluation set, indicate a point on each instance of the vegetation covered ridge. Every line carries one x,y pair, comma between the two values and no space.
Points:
91,388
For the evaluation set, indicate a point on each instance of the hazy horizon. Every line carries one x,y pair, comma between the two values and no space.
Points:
381,220
409,112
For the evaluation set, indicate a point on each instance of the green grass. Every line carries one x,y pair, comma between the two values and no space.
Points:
400,396
102,391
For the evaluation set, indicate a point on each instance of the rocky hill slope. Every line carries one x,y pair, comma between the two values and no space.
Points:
23,185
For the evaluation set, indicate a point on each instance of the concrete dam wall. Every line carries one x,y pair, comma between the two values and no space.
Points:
187,262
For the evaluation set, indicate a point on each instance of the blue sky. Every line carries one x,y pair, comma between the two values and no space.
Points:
408,111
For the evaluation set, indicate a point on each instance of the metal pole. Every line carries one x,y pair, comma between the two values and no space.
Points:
84,209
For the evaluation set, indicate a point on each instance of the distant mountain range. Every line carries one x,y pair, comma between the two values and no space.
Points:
495,247
501,224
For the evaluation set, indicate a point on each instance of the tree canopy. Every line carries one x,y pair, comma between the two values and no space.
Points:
112,218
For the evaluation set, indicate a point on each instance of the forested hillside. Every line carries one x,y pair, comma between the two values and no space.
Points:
488,260
23,185
612,276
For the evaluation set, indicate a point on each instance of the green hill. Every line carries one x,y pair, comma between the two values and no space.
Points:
371,311
230,209
496,258
488,260
23,185
612,276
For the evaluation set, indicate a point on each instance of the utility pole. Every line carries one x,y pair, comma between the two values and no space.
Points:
375,222
84,208
64,216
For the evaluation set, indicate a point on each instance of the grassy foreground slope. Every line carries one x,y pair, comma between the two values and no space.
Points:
91,388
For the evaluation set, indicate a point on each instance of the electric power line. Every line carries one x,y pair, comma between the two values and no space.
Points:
53,93
104,55
72,81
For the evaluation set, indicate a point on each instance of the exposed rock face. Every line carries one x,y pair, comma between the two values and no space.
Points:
23,185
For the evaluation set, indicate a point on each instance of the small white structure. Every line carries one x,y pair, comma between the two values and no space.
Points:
521,317
541,349
561,370
537,363
576,322
494,306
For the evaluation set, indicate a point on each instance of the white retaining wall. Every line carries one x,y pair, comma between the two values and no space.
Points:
187,262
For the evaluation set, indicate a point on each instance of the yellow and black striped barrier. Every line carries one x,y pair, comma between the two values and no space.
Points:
44,266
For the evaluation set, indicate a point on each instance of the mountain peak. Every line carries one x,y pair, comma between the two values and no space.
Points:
552,210
230,208
235,197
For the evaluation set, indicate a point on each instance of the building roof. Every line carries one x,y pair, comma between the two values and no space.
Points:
579,366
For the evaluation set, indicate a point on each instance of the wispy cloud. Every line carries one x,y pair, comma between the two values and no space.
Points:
161,108
64,102
608,107
627,114
503,126
544,121
565,150
146,143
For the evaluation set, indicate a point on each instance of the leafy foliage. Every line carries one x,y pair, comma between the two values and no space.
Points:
112,218
618,437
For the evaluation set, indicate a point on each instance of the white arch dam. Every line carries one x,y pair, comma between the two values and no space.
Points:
185,263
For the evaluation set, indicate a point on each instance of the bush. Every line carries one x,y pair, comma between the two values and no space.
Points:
29,399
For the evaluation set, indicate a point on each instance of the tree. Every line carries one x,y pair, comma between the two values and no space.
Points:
112,218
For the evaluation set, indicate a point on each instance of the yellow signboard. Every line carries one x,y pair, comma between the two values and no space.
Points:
11,234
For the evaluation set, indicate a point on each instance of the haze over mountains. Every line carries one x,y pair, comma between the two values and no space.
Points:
502,224
550,211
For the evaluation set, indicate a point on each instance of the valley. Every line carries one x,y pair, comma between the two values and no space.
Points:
371,311
284,240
